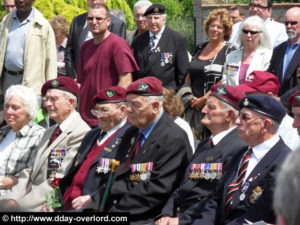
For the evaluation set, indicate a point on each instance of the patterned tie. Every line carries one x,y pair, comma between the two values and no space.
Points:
55,134
101,136
135,149
152,45
209,143
235,185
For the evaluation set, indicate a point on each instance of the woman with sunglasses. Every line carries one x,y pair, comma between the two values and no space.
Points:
254,54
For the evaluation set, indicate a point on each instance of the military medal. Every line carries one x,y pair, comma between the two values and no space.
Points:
206,172
213,172
143,176
242,196
162,59
219,170
192,171
245,188
166,57
103,165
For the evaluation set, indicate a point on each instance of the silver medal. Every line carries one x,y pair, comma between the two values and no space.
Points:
242,196
143,176
162,64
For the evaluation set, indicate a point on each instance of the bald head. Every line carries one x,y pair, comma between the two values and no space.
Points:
292,24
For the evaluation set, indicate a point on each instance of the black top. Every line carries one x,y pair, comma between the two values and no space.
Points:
205,74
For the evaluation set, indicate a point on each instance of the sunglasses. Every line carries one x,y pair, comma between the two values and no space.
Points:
250,31
99,19
293,23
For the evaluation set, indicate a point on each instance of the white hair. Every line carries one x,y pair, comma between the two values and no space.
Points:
228,107
152,98
256,21
142,4
69,95
27,95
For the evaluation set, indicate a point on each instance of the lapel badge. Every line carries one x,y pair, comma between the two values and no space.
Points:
256,193
107,149
209,159
132,141
246,102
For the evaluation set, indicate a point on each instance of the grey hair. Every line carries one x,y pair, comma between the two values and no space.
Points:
228,107
29,98
69,95
256,21
286,194
151,99
142,4
275,124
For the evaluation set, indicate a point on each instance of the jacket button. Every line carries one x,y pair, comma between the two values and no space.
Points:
178,209
115,202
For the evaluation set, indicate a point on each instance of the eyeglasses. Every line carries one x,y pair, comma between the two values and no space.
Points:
9,6
98,19
293,23
250,31
246,117
102,111
259,7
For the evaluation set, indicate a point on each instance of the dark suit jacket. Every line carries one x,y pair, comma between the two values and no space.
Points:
276,65
77,36
168,148
172,73
191,191
262,176
94,183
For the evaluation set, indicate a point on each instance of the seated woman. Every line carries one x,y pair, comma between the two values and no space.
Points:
19,139
254,54
174,108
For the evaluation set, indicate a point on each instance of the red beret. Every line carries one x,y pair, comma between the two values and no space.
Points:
261,81
228,94
147,86
110,95
61,83
294,99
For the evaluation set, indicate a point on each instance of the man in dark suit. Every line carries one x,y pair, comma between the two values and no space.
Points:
212,155
85,182
152,155
160,52
286,56
79,33
252,172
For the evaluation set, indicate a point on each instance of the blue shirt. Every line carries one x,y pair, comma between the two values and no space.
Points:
14,55
148,130
288,55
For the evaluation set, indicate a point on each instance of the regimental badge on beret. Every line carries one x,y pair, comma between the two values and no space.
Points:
143,87
246,102
221,90
156,10
55,83
110,93
297,98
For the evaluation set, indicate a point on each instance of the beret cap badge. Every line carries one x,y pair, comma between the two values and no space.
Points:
110,93
297,98
55,83
143,87
156,10
221,90
246,102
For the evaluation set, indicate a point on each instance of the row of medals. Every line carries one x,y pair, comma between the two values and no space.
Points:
140,176
206,175
165,61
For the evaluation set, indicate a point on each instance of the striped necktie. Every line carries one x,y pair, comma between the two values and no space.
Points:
152,45
235,185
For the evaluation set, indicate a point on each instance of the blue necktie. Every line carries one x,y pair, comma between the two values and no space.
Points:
152,45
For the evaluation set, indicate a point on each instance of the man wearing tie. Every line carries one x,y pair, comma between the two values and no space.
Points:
251,176
57,149
153,154
160,52
84,184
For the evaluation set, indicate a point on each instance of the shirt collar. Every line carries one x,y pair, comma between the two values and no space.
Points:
114,129
25,129
65,124
158,35
217,138
148,130
29,18
261,149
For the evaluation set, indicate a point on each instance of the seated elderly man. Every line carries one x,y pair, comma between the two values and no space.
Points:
84,184
19,139
252,172
153,154
57,149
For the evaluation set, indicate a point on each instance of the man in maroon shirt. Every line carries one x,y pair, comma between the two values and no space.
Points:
106,60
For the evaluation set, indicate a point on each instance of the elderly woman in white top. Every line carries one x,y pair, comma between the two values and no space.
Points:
19,139
254,54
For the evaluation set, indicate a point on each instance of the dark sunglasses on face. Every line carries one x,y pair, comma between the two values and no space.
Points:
250,31
290,22
99,19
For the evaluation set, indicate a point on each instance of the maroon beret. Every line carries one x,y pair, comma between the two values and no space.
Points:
110,95
61,83
147,86
261,81
228,94
294,99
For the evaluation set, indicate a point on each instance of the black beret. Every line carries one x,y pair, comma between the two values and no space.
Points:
110,95
62,83
155,9
265,105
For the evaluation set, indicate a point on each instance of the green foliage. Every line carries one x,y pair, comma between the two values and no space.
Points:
122,5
